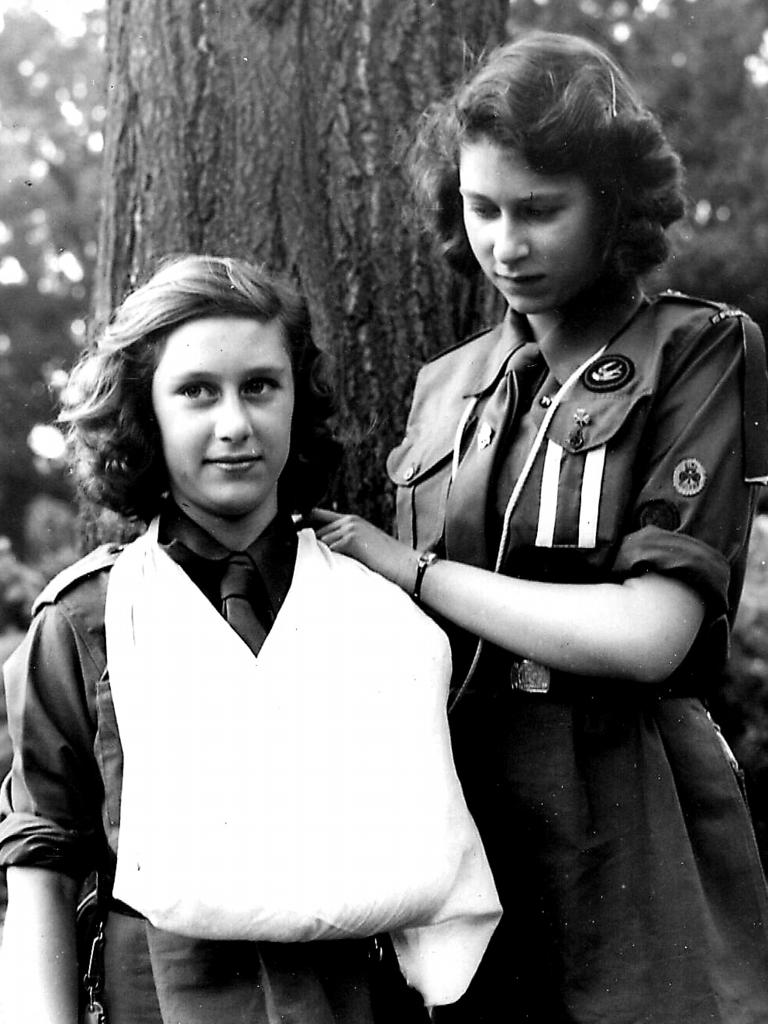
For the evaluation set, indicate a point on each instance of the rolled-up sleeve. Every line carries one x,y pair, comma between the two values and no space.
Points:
51,801
692,509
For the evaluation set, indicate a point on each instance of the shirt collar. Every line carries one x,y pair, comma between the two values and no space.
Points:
176,527
514,332
601,328
504,340
202,556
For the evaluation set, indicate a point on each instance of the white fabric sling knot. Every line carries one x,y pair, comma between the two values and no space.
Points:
308,793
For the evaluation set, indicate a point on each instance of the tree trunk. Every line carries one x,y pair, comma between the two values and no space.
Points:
270,129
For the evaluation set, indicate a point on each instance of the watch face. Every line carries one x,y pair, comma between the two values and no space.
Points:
426,558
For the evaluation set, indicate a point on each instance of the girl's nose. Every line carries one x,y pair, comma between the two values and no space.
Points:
233,422
511,244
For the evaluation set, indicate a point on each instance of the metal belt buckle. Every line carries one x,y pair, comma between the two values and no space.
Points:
530,676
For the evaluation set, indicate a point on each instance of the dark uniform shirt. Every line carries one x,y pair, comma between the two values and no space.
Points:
641,468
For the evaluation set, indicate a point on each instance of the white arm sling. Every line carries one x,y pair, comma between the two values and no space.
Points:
308,793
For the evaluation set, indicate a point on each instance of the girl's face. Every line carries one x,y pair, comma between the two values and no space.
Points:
223,396
537,237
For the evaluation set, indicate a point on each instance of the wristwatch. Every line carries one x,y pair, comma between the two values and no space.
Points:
426,558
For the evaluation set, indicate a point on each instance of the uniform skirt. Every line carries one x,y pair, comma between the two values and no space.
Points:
155,977
625,859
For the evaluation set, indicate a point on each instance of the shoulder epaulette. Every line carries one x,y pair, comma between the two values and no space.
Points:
95,561
458,345
725,313
722,310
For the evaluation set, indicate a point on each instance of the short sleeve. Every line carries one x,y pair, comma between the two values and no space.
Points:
692,509
50,806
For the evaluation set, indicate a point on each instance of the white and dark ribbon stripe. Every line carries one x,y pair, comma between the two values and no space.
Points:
591,491
563,521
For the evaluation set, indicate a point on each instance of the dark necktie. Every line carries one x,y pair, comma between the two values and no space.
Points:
466,535
240,584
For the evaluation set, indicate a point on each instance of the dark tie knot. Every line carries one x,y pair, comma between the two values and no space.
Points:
239,576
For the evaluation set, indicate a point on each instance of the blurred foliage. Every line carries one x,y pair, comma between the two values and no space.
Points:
51,114
51,534
19,586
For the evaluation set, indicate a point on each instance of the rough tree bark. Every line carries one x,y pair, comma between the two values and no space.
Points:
270,129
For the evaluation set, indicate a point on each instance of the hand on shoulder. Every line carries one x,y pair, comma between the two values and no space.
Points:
354,536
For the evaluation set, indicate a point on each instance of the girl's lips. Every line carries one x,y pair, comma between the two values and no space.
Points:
520,278
234,462
520,281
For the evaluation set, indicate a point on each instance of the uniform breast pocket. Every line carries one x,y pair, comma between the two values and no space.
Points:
422,475
584,478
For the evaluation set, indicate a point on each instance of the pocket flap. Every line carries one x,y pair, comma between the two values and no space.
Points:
585,421
416,458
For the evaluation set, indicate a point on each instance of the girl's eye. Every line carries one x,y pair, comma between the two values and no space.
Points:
259,386
540,212
485,211
194,390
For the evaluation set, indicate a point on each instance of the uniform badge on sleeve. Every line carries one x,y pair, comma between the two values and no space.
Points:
608,373
689,477
658,512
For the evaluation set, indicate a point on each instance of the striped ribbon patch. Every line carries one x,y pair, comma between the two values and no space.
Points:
563,520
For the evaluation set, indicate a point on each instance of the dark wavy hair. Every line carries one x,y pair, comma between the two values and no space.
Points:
115,445
565,106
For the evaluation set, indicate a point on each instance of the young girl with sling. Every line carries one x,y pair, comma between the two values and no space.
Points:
214,719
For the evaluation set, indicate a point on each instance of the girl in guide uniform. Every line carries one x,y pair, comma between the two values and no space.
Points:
243,788
575,494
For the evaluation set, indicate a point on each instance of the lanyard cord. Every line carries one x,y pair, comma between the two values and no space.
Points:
517,489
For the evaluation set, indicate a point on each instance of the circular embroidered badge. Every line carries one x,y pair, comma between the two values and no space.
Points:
608,373
689,477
